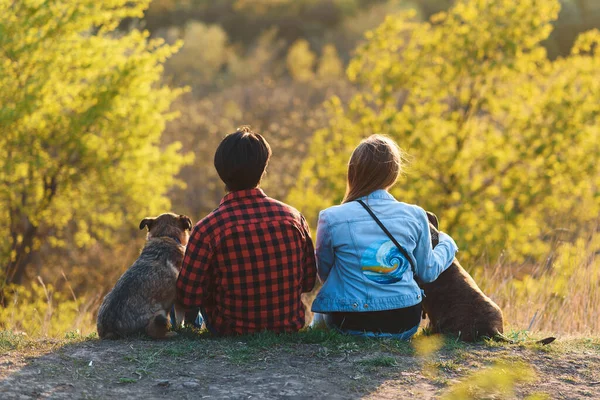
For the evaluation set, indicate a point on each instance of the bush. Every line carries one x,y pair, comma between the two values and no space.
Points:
41,311
503,141
82,110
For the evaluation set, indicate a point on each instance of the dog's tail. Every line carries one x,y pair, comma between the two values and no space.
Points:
546,341
499,337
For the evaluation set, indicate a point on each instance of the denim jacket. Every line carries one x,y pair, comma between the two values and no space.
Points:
360,266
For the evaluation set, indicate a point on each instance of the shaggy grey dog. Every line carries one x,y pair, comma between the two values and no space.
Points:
143,296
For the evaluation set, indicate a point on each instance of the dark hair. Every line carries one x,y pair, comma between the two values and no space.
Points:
375,164
241,159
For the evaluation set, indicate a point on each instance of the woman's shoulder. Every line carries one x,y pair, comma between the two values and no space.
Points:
339,210
412,209
346,211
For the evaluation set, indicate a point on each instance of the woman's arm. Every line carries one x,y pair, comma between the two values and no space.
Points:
324,250
432,262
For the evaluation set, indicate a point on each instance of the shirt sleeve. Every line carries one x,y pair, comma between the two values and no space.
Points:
194,278
325,255
432,262
310,267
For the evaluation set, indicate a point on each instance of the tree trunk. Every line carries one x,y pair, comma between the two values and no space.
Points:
15,270
17,267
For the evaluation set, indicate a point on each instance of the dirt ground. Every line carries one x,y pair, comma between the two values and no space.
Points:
294,367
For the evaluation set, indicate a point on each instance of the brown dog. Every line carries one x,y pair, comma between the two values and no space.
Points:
454,303
143,296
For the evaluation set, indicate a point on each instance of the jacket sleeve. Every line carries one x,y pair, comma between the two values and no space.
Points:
310,267
324,252
194,278
432,262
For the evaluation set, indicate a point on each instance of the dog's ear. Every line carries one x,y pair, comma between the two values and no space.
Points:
433,229
186,222
147,222
433,219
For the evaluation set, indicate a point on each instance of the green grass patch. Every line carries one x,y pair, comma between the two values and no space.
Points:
242,355
11,341
570,379
380,361
447,365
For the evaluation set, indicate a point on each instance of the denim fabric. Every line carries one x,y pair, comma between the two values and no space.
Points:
196,324
321,321
359,265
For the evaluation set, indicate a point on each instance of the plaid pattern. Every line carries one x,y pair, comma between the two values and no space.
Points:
246,265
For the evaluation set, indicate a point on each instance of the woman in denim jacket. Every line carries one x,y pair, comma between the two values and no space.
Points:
369,287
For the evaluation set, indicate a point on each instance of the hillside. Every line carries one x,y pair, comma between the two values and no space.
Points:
305,365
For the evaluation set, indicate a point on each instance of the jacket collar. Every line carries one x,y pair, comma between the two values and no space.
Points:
242,194
378,194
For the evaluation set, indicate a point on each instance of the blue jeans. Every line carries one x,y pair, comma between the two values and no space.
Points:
323,321
196,324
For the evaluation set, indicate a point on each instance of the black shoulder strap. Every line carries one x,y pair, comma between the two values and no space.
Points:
384,229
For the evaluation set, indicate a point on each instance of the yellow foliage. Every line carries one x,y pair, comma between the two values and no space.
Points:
492,382
41,311
285,114
259,60
504,142
260,6
301,61
82,110
330,66
203,54
426,346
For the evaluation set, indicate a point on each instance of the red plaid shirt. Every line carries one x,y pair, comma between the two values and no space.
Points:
247,264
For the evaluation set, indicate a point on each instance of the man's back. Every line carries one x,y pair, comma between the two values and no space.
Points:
247,264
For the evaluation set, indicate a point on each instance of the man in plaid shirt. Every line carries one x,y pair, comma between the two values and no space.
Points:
248,262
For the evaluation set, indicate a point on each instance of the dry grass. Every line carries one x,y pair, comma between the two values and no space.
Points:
41,311
561,297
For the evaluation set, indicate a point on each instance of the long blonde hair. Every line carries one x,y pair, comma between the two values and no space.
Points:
376,163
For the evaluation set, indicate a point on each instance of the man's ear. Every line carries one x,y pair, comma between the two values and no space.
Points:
147,222
433,219
186,222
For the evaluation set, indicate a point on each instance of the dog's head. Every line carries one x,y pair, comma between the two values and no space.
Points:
433,228
168,225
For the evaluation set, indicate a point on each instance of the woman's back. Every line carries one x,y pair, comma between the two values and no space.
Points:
362,268
372,248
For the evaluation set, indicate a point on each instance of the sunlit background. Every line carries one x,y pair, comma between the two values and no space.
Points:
110,111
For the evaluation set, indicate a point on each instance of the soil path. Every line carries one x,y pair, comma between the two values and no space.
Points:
266,368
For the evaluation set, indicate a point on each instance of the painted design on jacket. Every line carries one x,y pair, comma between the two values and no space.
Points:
383,263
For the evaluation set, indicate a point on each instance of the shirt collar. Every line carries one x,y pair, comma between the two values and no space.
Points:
378,194
242,194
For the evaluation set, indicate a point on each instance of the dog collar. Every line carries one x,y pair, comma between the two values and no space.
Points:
175,238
